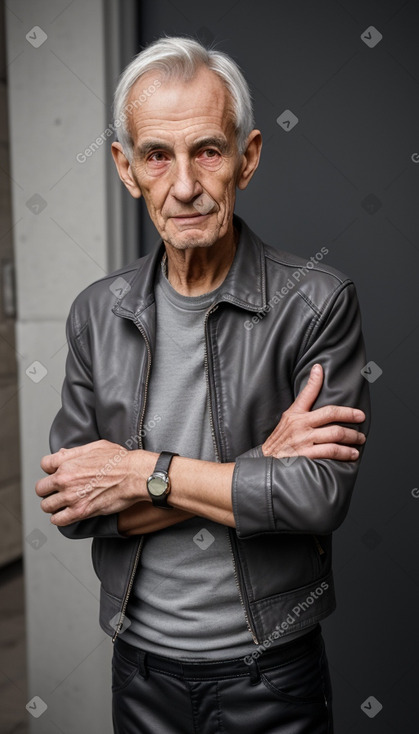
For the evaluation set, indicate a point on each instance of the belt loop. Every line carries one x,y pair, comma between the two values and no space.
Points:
142,664
254,673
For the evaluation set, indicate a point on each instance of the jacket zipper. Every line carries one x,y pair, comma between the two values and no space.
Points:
140,445
318,545
129,588
217,456
214,440
246,615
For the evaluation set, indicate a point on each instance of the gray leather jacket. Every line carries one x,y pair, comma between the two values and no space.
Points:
274,317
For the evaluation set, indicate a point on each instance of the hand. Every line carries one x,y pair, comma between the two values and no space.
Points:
98,478
314,433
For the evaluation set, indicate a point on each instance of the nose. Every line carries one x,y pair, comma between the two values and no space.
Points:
185,186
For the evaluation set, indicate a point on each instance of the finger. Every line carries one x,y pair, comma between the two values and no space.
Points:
64,517
337,434
51,462
335,414
309,394
334,451
46,486
81,511
53,503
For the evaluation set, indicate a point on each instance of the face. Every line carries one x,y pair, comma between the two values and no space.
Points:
186,163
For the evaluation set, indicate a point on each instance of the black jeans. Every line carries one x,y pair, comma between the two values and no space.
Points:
285,691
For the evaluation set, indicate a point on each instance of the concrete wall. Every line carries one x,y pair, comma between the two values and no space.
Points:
10,516
56,72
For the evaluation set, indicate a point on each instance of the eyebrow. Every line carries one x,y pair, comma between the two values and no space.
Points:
208,142
212,141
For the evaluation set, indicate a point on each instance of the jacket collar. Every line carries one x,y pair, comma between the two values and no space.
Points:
244,285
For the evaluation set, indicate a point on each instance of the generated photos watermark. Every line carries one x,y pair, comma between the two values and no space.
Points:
83,155
283,627
292,281
130,443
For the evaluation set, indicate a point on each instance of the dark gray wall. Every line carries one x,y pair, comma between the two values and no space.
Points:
346,176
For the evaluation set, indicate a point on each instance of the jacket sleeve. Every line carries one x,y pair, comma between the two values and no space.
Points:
301,495
75,424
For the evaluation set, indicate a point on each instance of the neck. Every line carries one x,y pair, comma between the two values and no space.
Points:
199,270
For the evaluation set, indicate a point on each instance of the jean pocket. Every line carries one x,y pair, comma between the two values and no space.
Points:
123,671
299,681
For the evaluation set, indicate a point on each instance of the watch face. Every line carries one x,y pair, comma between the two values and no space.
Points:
157,484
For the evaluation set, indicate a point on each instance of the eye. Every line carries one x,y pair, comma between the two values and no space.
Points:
157,156
210,158
210,153
157,161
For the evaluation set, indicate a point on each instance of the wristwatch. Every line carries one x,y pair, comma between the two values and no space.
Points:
158,483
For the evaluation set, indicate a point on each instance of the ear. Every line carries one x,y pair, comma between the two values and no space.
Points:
124,170
250,159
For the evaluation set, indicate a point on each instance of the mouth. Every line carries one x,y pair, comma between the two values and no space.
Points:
189,218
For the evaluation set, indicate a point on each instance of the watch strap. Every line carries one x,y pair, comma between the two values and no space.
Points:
164,461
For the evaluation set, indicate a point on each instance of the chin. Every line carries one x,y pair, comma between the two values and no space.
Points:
188,241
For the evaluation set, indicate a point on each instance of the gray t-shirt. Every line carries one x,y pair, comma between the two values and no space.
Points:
185,601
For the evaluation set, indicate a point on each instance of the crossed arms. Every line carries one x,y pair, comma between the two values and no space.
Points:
198,487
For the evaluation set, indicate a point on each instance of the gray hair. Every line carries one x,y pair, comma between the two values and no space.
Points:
178,57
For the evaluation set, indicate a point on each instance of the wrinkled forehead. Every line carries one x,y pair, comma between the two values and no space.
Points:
201,104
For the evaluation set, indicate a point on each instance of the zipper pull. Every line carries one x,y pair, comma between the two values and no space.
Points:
318,546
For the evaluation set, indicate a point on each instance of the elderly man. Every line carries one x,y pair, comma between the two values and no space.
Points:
210,420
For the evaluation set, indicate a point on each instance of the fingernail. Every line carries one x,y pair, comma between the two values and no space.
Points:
354,454
359,414
317,367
